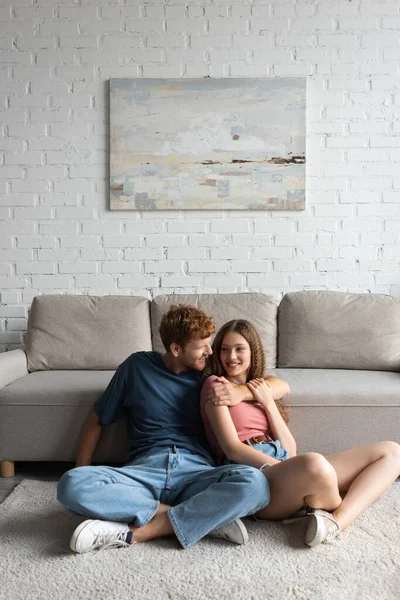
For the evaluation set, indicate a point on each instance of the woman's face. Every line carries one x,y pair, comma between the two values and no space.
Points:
235,356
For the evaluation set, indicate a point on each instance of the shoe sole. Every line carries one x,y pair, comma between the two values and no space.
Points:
240,537
243,531
75,535
315,533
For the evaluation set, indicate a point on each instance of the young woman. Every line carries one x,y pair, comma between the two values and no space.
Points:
256,433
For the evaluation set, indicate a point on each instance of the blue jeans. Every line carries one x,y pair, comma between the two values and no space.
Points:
201,495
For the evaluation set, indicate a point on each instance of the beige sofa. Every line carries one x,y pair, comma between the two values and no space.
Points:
339,352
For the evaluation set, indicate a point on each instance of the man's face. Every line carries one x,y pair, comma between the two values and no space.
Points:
194,355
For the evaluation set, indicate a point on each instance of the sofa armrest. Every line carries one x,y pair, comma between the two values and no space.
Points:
13,365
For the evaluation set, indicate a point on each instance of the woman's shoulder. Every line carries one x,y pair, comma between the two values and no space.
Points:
208,385
210,382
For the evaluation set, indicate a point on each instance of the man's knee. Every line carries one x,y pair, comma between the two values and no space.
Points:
68,484
255,485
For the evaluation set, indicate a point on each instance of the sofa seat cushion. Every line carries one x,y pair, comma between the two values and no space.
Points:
341,387
335,410
86,332
337,330
260,309
42,416
46,388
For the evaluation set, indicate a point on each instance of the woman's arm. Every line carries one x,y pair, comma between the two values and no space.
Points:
263,395
226,434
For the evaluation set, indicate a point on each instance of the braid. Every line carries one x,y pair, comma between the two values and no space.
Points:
258,362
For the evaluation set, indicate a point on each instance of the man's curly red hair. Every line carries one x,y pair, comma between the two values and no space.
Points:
184,323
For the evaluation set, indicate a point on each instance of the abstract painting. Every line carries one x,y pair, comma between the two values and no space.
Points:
207,144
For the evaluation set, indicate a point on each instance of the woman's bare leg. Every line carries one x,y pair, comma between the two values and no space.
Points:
364,473
307,479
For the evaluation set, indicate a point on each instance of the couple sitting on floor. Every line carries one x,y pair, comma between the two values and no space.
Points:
204,452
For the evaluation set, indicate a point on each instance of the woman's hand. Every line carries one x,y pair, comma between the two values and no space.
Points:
261,391
280,431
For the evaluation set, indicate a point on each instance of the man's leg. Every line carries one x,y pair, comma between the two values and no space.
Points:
209,497
111,494
158,526
205,498
112,498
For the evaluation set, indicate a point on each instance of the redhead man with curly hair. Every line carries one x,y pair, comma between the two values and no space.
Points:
169,484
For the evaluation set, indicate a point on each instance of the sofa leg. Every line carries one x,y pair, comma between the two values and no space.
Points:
7,468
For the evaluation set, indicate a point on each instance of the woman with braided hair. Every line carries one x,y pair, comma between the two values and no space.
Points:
255,432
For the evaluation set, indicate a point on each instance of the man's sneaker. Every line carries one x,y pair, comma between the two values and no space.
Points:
234,532
93,534
321,528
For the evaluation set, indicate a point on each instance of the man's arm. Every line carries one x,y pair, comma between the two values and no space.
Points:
226,393
109,406
280,388
89,440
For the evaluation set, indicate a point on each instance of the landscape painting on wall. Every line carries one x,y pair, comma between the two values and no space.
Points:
202,144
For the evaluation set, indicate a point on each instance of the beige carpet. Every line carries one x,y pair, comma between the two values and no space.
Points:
35,561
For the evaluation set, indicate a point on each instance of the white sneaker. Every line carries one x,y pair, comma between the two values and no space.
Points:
321,528
93,534
234,532
302,513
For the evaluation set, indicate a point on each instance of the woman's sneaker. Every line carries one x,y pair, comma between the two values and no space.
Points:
302,513
92,534
234,532
321,528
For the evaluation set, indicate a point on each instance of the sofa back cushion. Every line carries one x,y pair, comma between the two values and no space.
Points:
336,330
260,309
86,332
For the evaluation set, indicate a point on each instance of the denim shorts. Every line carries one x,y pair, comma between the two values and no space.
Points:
273,449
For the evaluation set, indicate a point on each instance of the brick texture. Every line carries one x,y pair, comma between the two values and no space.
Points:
56,232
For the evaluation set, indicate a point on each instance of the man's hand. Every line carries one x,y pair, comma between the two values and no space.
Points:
225,393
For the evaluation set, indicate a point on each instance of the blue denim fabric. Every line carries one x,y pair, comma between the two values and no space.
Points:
203,497
273,449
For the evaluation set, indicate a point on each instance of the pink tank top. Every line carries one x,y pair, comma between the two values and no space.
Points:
249,419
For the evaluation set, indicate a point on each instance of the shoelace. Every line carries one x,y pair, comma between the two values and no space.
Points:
332,528
103,536
116,544
305,512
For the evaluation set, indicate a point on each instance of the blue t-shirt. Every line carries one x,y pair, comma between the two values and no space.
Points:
160,408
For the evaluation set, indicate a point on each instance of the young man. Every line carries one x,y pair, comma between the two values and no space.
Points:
170,484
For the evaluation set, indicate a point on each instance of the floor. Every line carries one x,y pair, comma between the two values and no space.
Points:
45,471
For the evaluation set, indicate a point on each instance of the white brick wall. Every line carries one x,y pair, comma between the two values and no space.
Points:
56,234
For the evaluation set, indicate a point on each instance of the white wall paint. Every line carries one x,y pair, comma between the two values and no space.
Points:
56,232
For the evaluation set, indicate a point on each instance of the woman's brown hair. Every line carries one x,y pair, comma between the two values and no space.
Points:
258,363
